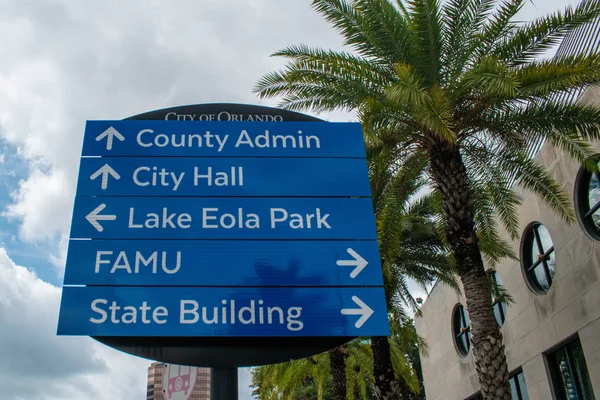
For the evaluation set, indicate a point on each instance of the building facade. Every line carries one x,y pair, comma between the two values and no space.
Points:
157,391
551,324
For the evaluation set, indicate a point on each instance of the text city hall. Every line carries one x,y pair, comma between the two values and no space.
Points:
153,176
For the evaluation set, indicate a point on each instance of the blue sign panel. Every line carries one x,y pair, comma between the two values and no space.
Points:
223,229
185,176
223,139
222,263
224,312
223,218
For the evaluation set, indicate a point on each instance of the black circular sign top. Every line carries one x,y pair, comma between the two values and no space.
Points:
223,352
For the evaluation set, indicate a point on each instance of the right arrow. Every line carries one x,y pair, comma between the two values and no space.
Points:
364,311
358,262
105,171
109,134
93,217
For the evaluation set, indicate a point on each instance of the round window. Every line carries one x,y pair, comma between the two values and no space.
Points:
461,327
539,258
587,201
498,301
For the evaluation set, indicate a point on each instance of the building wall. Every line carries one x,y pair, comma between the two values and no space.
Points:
201,389
534,323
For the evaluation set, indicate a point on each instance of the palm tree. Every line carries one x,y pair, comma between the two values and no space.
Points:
463,85
287,380
337,368
410,248
313,377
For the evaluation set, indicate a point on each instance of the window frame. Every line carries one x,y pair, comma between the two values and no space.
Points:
514,375
465,330
581,201
555,376
530,238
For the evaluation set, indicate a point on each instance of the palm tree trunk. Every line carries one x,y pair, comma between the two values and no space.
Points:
387,387
450,175
337,361
383,368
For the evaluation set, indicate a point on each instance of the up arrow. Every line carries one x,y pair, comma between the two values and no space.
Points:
358,262
93,217
109,134
105,171
364,311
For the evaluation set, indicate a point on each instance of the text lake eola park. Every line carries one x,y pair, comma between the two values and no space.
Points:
223,229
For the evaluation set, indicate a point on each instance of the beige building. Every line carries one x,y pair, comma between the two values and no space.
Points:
156,391
552,329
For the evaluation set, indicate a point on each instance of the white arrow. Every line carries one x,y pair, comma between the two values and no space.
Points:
358,262
109,134
93,217
105,171
364,311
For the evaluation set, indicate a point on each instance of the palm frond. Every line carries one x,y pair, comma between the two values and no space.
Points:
464,21
496,188
456,21
535,178
498,26
387,29
532,39
490,78
567,124
367,33
402,368
426,43
560,74
431,108
319,79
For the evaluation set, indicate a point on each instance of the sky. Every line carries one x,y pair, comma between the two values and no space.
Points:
67,61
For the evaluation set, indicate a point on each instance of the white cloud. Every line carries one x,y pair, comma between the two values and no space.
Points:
59,260
43,204
67,62
38,365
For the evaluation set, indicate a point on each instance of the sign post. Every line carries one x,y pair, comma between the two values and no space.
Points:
223,235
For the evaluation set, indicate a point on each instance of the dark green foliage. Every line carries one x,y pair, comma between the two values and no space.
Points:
457,90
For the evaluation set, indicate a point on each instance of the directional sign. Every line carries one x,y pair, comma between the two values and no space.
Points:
223,139
223,312
184,176
222,263
225,243
223,218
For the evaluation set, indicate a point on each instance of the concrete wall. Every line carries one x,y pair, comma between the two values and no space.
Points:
534,323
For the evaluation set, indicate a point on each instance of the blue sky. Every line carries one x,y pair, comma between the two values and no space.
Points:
33,254
64,62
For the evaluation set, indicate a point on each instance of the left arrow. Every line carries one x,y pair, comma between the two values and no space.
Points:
93,217
105,171
364,311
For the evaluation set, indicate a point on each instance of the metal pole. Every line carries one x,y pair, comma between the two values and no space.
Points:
223,384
